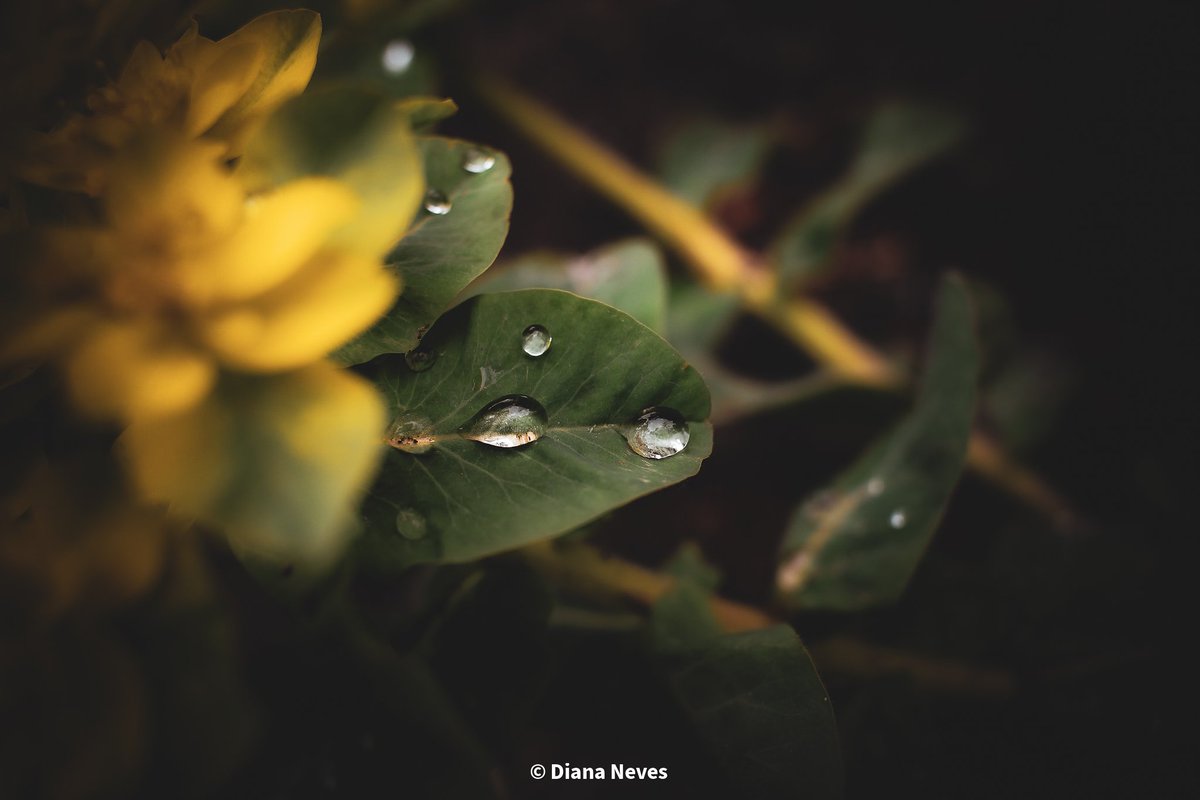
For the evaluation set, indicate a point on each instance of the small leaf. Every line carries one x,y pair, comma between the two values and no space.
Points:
707,157
755,698
355,136
472,499
276,462
441,254
858,543
628,275
424,112
899,139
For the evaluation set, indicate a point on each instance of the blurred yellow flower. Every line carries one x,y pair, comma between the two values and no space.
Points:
217,90
186,275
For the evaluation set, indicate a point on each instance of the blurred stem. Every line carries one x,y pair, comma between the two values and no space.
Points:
726,266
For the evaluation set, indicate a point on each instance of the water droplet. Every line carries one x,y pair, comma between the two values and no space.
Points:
898,519
512,421
476,160
411,524
420,360
875,487
535,340
411,433
657,433
437,203
398,56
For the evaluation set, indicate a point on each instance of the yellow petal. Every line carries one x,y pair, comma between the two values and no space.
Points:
288,40
335,297
280,232
220,84
276,462
136,369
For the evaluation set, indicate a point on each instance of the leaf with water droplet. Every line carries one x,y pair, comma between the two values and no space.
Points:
629,275
860,547
547,471
899,138
439,255
536,340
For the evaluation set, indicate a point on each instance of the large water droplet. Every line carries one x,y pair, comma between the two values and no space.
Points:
398,56
898,519
657,433
420,360
511,421
411,524
437,203
476,160
535,340
411,433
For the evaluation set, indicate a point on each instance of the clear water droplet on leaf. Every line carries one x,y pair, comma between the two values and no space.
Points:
420,360
898,519
512,421
476,160
437,203
535,340
658,433
398,56
411,524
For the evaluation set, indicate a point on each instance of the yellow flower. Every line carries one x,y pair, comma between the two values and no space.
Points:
187,275
218,90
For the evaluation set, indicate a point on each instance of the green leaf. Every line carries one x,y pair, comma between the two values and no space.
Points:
463,499
899,138
755,698
628,275
708,157
857,543
358,137
441,254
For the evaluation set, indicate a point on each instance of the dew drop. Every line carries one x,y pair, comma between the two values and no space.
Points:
411,433
398,56
898,519
420,360
875,487
477,160
411,524
512,421
535,340
437,203
657,433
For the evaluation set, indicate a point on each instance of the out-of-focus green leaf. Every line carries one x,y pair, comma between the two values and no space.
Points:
358,137
462,499
628,275
899,138
857,543
707,157
755,698
441,254
424,112
696,321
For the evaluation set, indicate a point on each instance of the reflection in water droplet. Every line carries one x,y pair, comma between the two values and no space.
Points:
512,421
898,519
437,203
477,160
535,340
398,56
411,524
657,433
875,487
420,360
411,433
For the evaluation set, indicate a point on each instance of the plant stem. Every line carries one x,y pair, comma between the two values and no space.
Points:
724,265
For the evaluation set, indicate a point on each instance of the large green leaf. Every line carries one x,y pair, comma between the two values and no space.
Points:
899,138
857,543
629,275
441,254
358,137
462,499
755,698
